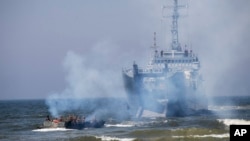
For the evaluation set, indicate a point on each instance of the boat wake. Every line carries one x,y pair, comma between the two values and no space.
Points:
118,125
51,129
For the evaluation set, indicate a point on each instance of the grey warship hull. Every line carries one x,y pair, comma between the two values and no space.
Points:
171,83
176,98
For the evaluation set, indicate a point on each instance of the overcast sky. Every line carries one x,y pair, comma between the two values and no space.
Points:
40,39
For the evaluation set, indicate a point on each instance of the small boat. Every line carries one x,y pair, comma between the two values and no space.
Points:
81,125
73,125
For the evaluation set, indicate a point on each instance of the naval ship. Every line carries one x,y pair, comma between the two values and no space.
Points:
170,84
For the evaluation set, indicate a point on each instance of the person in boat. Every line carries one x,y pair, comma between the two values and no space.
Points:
69,122
83,119
47,118
77,122
61,119
56,120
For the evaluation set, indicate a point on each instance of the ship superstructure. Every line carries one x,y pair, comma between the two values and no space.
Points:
171,82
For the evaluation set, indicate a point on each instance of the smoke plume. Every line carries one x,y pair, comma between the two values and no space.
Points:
85,80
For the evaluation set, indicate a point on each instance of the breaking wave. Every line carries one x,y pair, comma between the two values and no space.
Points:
224,108
205,136
51,129
107,138
119,125
229,122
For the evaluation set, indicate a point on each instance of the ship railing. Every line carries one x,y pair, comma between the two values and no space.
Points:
176,60
146,71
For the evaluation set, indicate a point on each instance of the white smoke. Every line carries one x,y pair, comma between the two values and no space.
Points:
87,78
218,32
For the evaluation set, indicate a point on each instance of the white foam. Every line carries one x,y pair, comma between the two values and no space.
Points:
118,125
223,108
229,122
226,135
51,129
107,138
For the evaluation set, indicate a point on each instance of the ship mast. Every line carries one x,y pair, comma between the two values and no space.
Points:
175,39
154,47
175,45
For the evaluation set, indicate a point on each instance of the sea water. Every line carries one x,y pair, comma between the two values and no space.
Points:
20,119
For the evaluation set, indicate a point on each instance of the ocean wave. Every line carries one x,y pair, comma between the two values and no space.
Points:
51,129
223,108
229,122
107,138
226,135
118,125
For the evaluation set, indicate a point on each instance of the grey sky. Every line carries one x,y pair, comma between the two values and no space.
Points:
37,36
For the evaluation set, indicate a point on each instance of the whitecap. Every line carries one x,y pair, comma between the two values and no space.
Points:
118,125
229,122
51,129
225,108
107,138
226,135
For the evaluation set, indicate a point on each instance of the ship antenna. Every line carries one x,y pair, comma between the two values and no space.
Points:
154,45
175,39
175,45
